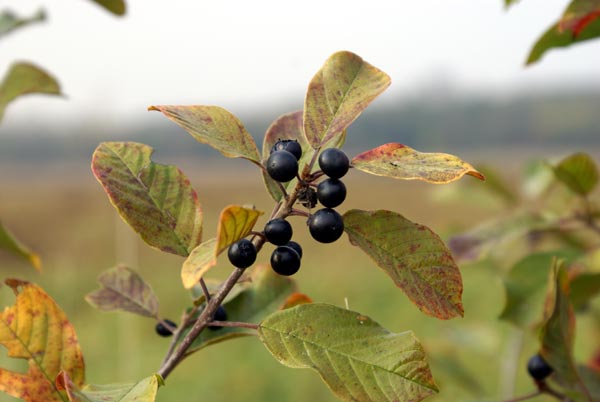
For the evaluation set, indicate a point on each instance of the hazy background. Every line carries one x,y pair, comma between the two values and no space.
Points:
458,85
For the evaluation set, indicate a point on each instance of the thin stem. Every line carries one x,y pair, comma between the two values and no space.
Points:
544,388
204,289
234,324
298,212
525,397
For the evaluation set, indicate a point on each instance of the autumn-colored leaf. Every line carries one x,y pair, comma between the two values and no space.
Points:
579,14
357,358
156,200
296,299
402,162
579,172
10,22
141,391
36,329
214,126
124,289
338,94
10,244
200,260
23,79
235,223
116,7
413,256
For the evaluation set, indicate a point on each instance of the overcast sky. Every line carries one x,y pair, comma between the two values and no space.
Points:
240,54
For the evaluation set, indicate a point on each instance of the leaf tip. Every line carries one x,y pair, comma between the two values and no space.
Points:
153,108
476,174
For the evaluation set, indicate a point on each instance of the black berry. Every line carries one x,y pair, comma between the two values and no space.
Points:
282,166
162,329
220,315
331,192
326,225
242,253
278,231
538,368
295,246
285,261
292,146
334,163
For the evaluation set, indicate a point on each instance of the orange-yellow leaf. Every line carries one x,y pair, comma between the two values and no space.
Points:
295,299
200,260
141,391
235,223
402,162
36,329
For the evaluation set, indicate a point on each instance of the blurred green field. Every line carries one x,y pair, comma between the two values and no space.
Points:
64,215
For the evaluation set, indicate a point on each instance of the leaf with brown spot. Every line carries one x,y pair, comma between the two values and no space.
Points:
414,257
23,79
10,244
141,391
124,289
214,126
235,223
402,162
338,94
36,329
156,200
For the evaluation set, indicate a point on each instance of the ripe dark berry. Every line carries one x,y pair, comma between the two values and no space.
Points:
162,330
282,166
326,225
220,315
331,192
334,163
285,261
538,368
295,246
292,146
242,253
278,231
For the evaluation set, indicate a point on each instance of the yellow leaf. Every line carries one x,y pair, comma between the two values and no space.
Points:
235,223
200,260
36,329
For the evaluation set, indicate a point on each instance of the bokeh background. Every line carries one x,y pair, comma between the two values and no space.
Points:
459,85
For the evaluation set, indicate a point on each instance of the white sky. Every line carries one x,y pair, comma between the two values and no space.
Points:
240,54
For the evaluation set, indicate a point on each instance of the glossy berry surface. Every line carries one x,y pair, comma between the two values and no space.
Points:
242,253
331,192
334,163
292,146
278,231
282,166
162,330
285,261
538,368
220,315
295,246
326,225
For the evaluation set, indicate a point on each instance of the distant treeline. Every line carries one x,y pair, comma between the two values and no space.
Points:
450,122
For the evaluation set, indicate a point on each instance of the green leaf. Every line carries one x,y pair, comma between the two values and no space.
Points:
402,162
497,186
579,172
23,79
116,7
141,391
413,256
338,94
556,37
216,127
526,288
509,3
156,200
357,358
10,22
200,260
557,334
10,244
584,287
267,293
124,289
235,223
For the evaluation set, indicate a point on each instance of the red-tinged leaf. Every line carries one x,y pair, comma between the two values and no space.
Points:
579,172
36,329
124,289
402,162
214,126
10,244
200,260
156,200
141,391
578,15
23,79
557,334
296,299
338,94
116,7
413,256
235,223
10,22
